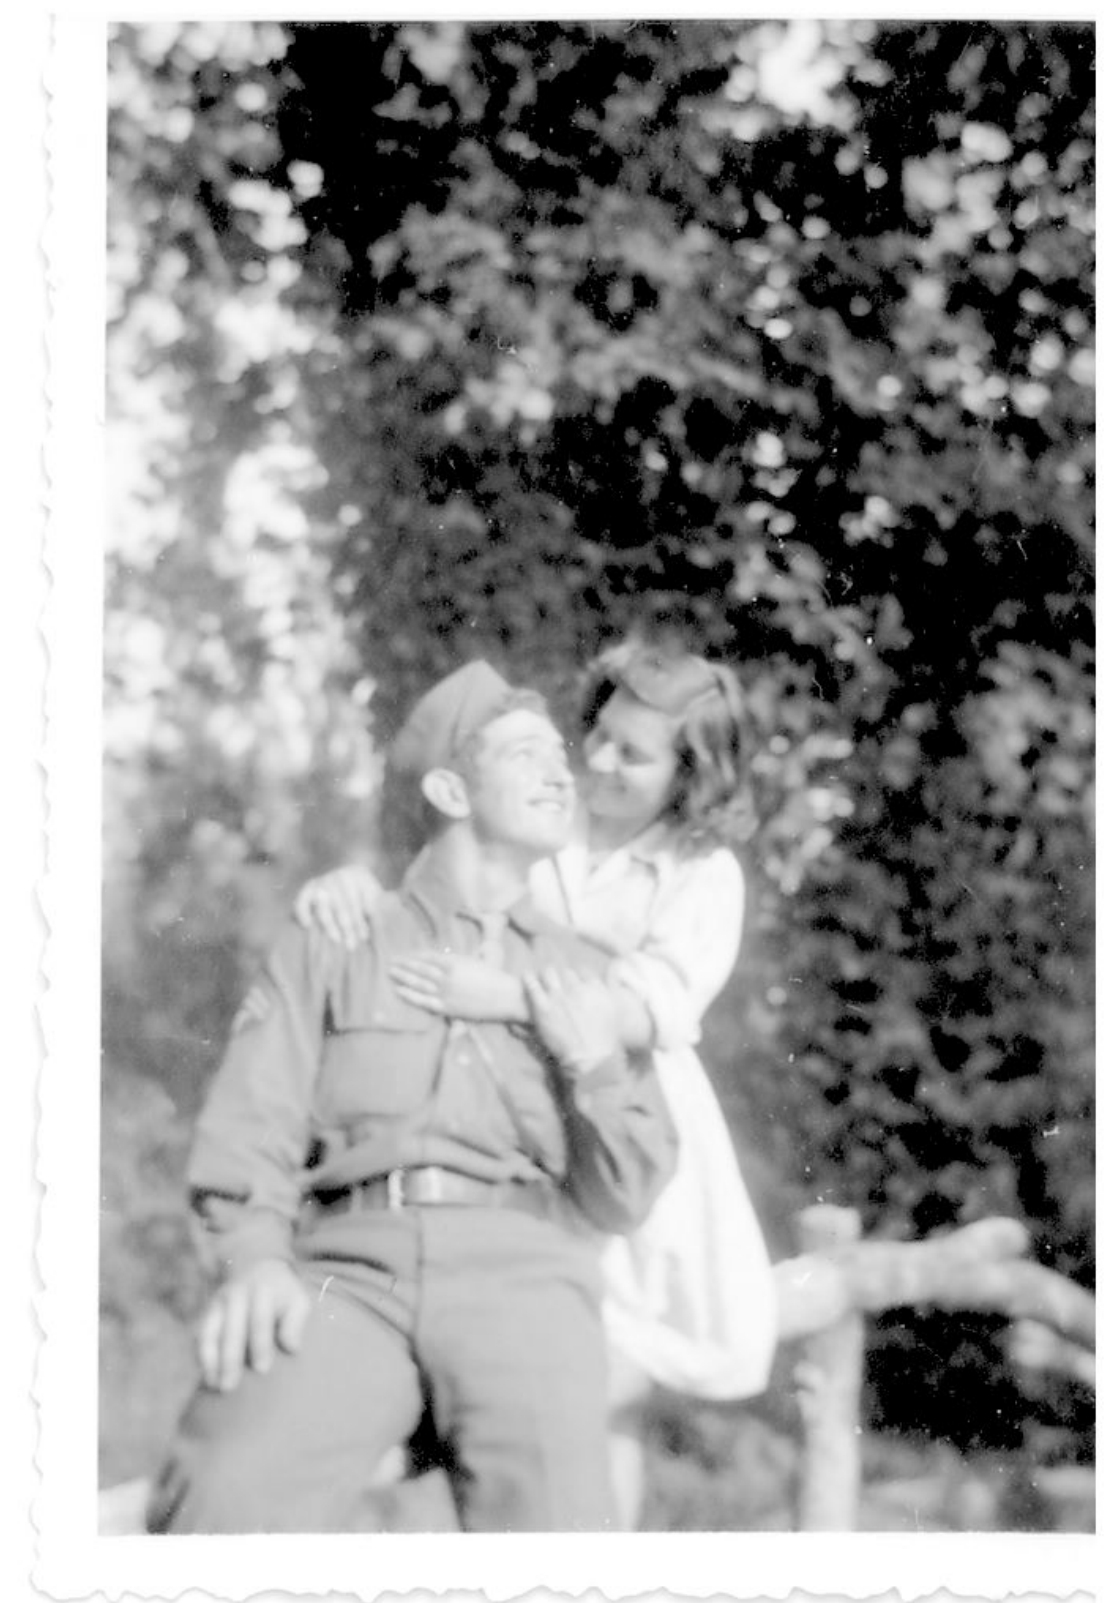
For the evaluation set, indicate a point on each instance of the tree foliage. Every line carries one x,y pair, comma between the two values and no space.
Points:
535,331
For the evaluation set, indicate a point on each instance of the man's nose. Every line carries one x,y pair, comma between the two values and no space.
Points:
558,771
603,759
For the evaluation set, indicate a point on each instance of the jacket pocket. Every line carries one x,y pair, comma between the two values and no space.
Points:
386,1067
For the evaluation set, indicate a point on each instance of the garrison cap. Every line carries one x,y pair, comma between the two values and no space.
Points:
445,718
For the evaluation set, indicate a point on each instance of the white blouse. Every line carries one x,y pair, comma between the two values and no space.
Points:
674,925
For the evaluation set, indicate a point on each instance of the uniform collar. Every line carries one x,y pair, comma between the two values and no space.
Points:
430,887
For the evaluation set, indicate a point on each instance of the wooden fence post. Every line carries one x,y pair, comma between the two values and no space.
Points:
829,1387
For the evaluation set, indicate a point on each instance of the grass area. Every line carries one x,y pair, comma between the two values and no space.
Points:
907,1486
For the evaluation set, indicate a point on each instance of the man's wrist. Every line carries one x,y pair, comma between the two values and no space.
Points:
266,1237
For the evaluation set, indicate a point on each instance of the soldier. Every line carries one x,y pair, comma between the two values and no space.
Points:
406,1209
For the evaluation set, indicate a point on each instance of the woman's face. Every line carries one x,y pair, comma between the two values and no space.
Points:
631,762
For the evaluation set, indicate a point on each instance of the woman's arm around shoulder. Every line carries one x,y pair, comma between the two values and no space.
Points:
689,948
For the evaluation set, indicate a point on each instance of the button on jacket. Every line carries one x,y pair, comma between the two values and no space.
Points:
331,1078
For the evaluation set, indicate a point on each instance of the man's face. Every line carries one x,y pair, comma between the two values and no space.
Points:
520,786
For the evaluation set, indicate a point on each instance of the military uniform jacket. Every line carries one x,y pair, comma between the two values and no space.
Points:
331,1078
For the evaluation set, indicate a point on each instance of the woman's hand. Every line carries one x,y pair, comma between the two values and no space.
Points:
575,1015
459,987
340,904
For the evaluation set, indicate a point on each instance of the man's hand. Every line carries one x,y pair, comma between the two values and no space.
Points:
340,904
252,1315
575,1016
459,987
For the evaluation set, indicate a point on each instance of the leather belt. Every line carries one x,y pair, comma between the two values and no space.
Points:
435,1187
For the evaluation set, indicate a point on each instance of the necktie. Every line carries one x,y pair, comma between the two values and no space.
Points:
491,949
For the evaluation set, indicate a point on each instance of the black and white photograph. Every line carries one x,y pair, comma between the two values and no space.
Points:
583,765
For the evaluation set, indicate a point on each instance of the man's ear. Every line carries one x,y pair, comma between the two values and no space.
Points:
446,791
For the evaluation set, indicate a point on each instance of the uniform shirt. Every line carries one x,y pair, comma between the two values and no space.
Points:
331,1078
671,923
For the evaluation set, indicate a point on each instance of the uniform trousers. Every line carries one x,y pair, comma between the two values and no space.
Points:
487,1319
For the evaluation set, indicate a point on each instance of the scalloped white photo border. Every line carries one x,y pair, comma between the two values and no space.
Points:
72,1560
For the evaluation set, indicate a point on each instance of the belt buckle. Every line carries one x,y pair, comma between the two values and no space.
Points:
394,1188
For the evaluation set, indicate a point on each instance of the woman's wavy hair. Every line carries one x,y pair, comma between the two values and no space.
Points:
712,803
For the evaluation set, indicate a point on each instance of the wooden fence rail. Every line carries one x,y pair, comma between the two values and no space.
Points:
825,1295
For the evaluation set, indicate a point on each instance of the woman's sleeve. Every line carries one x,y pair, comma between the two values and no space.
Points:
690,947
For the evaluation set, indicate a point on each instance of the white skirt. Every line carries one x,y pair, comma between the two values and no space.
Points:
690,1297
